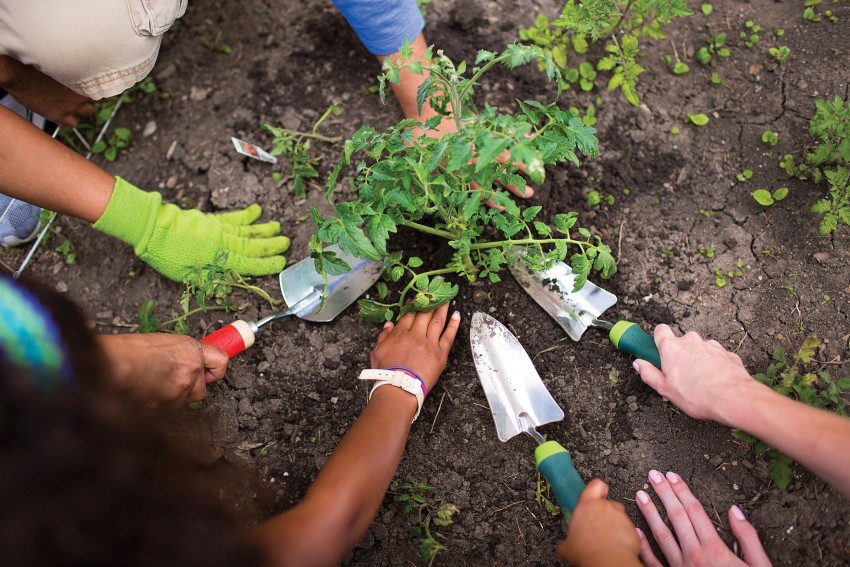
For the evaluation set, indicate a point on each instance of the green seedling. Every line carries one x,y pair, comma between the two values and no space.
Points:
780,53
441,514
765,198
214,42
617,23
678,67
715,79
594,198
543,496
750,35
674,130
440,187
66,248
706,9
715,47
707,251
117,141
667,251
698,119
794,169
835,206
770,138
818,388
294,147
779,32
745,175
720,275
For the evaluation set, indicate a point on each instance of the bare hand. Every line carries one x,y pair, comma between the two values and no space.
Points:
600,531
698,374
696,541
419,341
163,369
42,94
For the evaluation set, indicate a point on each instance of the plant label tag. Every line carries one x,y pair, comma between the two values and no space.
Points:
253,151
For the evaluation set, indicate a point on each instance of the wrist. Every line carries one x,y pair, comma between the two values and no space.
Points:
737,403
398,380
129,214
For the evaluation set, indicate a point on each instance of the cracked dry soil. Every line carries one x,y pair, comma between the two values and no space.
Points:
295,393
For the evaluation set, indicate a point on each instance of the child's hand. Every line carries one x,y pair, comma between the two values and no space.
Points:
600,531
420,341
696,541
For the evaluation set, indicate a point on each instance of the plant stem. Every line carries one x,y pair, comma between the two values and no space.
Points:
429,230
192,312
322,119
622,17
525,241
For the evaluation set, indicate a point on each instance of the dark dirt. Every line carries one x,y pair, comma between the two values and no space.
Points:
295,392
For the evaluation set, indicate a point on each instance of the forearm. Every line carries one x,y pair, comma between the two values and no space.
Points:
349,489
39,170
815,438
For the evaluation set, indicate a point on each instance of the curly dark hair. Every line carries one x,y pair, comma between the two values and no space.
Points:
82,483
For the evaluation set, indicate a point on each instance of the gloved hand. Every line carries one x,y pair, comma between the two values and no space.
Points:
173,240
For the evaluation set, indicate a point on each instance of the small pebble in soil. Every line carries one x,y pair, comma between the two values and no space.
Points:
150,129
62,287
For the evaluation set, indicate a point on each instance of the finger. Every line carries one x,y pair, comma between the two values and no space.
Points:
405,322
256,266
448,337
651,376
246,216
675,511
663,331
215,361
662,534
438,322
385,332
595,489
422,322
747,536
86,109
647,557
260,230
198,391
255,247
700,521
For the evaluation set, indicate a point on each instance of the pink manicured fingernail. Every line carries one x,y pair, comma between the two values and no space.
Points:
635,366
388,324
739,515
642,497
655,476
640,533
456,315
673,477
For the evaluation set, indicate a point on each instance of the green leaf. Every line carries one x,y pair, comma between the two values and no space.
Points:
780,469
148,323
698,119
378,229
459,155
763,197
374,312
780,193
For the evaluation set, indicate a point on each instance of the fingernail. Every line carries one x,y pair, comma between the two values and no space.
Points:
529,191
739,515
388,324
635,366
640,533
673,477
642,497
456,315
655,476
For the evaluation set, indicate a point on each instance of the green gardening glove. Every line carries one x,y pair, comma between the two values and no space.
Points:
173,241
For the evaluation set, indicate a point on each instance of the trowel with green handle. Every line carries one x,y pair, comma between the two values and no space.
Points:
520,402
575,311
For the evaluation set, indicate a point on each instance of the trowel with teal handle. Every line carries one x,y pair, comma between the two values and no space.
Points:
520,402
575,311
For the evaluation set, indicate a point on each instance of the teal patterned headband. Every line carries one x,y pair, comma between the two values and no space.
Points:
29,337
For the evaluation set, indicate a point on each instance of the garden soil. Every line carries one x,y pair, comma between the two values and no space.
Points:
285,404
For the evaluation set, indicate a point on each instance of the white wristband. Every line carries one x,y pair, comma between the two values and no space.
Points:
398,379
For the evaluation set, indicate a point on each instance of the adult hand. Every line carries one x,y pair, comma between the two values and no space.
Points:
173,240
696,541
419,341
600,531
42,94
698,374
162,369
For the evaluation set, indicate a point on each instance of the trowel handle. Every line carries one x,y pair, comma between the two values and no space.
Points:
628,337
233,338
556,465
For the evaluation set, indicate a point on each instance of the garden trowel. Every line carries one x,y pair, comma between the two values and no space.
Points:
575,311
302,288
520,402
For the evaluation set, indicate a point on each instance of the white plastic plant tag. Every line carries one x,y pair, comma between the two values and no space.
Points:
253,151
